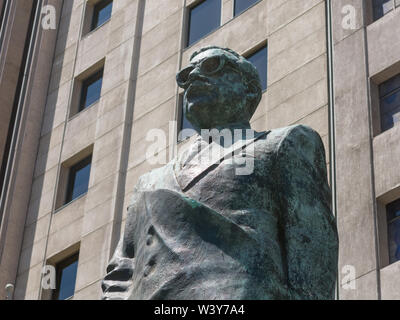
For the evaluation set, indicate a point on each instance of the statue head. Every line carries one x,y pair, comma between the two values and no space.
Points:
221,88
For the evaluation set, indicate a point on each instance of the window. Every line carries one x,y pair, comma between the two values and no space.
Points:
389,99
66,277
186,129
393,223
203,18
78,179
260,61
242,5
101,13
382,7
91,90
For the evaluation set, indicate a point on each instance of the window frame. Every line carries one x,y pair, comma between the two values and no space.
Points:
96,11
70,182
373,16
99,74
255,50
396,90
61,266
388,223
234,14
189,19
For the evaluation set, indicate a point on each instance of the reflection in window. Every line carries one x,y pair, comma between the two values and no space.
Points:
389,94
101,13
241,5
260,61
382,7
203,18
91,90
66,278
78,180
393,219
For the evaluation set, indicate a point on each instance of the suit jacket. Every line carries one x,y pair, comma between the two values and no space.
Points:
199,230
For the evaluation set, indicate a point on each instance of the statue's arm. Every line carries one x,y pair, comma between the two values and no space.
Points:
308,226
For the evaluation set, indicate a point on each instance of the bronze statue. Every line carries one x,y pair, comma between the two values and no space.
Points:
199,229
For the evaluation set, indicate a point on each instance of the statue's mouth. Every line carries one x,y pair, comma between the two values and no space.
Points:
199,85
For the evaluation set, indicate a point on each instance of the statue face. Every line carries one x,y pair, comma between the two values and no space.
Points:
215,90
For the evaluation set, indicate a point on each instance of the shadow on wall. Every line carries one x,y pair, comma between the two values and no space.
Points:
33,248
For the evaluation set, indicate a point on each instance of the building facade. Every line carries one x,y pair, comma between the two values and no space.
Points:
83,82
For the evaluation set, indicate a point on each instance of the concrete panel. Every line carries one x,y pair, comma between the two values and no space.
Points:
36,231
92,270
157,77
386,161
91,292
108,143
67,215
101,192
297,56
365,288
98,217
299,106
282,12
390,282
296,82
296,31
354,190
157,11
384,42
164,31
80,132
31,256
160,117
343,10
94,243
104,167
64,238
27,285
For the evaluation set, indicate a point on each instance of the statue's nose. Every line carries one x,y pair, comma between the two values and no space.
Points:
194,74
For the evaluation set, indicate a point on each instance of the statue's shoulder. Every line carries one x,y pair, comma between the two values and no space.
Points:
162,177
296,137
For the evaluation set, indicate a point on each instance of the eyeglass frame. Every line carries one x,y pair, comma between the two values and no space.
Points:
224,60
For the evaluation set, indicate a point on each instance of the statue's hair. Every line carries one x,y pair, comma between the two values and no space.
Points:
251,74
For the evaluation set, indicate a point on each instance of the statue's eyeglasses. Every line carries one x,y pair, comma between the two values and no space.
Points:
208,66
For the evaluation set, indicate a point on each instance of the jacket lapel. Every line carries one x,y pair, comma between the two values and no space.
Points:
207,160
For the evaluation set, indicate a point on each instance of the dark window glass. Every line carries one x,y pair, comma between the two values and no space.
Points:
186,129
204,18
91,90
260,60
381,7
78,181
101,13
66,278
241,5
393,216
389,93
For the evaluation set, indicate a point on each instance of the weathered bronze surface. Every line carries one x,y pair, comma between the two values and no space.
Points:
196,229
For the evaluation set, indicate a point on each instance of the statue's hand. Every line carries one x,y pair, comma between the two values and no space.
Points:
118,280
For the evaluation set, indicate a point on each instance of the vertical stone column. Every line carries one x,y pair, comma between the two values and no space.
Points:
355,190
24,156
